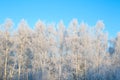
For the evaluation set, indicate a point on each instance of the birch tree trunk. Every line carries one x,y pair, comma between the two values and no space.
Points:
5,69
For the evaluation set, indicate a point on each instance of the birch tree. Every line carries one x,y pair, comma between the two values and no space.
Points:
100,45
22,43
61,31
40,47
53,50
6,44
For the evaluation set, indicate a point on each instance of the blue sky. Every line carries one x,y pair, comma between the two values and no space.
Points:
52,11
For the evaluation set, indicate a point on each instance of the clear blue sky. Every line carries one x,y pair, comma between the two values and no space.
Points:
89,11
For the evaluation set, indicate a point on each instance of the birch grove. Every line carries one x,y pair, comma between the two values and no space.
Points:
58,52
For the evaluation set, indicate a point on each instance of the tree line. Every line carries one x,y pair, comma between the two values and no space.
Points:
58,52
